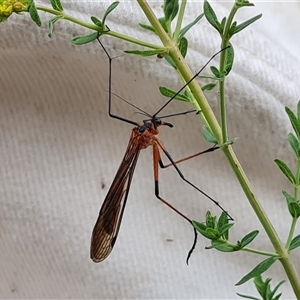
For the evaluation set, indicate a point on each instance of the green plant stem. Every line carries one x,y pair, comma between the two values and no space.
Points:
291,233
179,20
223,57
96,28
260,252
228,151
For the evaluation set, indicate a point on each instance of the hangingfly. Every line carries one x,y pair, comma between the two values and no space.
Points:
143,135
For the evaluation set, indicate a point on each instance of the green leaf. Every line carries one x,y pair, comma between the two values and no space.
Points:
208,135
293,205
247,297
147,27
232,28
80,40
295,243
215,71
298,111
294,121
229,142
213,234
56,5
201,228
286,171
146,52
224,230
211,17
51,24
211,221
223,23
208,87
264,288
183,46
170,61
258,270
221,246
245,24
96,21
242,3
229,59
109,10
162,22
185,29
170,94
247,239
34,14
223,224
171,8
293,141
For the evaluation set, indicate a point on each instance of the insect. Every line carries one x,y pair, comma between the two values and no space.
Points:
143,135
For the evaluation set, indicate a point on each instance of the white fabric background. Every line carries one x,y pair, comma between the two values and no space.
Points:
59,152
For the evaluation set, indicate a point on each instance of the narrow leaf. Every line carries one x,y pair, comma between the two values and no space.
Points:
146,52
225,229
247,297
247,239
294,121
162,22
171,8
222,223
242,3
211,16
294,209
293,205
208,87
245,24
170,61
183,46
298,111
170,94
259,269
147,27
229,59
215,71
285,170
295,243
109,10
201,228
56,5
96,21
185,29
34,14
223,23
293,141
223,247
80,40
51,24
223,220
208,135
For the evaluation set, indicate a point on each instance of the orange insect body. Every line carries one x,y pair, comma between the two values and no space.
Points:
107,226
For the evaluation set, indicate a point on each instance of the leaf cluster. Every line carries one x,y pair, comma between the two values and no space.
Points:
294,178
264,289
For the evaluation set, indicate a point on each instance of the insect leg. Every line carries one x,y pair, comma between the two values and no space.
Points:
156,160
159,143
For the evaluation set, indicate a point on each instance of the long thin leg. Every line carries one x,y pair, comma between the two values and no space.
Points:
110,89
159,143
211,149
156,160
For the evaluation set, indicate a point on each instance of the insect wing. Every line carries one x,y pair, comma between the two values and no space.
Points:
106,229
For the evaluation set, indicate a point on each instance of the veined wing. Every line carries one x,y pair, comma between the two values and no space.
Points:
106,229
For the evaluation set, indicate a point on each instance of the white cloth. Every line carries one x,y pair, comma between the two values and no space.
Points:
59,153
